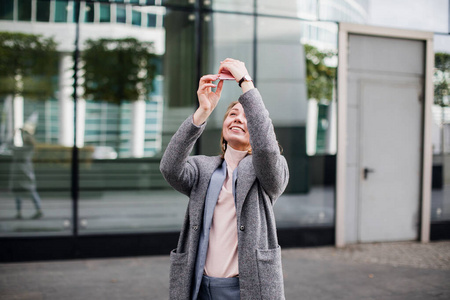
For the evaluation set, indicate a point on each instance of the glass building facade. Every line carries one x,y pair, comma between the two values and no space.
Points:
109,184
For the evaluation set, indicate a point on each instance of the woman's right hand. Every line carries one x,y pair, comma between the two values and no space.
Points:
207,99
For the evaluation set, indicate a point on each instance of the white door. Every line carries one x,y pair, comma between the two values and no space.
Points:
387,76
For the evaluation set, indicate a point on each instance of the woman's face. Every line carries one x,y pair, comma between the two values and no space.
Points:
234,129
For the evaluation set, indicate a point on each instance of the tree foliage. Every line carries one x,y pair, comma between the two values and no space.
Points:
441,78
320,78
118,69
27,64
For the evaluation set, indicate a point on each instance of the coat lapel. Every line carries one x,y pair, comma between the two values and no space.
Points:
245,178
207,168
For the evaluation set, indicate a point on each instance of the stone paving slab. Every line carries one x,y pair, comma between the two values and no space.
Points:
385,271
434,255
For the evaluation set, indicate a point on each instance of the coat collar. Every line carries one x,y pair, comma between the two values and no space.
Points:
246,178
208,168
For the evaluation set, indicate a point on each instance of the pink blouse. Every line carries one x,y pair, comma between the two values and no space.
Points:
222,256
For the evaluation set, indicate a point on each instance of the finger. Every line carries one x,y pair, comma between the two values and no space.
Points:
206,86
210,77
219,88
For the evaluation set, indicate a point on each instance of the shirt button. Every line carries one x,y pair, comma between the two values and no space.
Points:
242,228
195,227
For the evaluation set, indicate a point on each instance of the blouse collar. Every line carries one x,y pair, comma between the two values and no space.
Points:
233,156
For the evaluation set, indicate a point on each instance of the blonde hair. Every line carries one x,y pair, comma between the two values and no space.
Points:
223,142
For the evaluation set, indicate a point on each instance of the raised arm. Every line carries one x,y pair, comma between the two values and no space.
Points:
175,165
270,166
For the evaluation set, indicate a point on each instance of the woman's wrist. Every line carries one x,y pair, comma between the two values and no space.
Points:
200,116
247,86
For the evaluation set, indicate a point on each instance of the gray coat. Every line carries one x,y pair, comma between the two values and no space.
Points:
262,178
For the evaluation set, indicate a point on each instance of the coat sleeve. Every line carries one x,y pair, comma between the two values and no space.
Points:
175,166
270,166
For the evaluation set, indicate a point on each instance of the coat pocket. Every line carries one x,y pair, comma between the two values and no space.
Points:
179,285
270,273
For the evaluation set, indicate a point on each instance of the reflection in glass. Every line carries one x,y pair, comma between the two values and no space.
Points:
299,95
305,9
61,10
33,163
24,10
225,35
89,13
130,112
7,10
43,10
121,14
105,13
136,18
231,5
440,204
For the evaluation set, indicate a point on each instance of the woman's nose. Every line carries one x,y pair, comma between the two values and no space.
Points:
238,119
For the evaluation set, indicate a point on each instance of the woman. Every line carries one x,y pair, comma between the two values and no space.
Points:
228,247
22,178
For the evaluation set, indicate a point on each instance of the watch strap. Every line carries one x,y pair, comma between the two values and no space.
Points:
244,79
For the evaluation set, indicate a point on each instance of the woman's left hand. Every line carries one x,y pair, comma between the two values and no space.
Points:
238,70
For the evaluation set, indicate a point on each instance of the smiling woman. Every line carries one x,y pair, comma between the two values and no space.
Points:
226,250
234,129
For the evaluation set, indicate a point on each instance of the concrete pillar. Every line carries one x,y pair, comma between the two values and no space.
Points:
137,128
65,100
311,127
18,119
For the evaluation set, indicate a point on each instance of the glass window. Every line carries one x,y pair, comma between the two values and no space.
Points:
122,190
305,9
225,35
61,9
43,10
89,13
231,5
136,18
105,13
121,14
296,106
7,10
440,199
24,10
35,149
151,20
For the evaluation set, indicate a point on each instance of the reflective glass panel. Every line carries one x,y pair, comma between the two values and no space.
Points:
296,76
36,132
7,10
61,9
43,10
305,9
121,14
440,199
230,5
129,113
136,18
24,10
105,13
89,13
225,35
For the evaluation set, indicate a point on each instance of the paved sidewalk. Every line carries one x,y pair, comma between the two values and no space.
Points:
390,271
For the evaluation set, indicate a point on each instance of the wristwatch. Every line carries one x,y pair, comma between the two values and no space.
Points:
245,78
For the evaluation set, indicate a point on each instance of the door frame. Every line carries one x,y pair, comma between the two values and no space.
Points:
342,85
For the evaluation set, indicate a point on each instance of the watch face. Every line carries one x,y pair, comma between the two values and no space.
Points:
247,78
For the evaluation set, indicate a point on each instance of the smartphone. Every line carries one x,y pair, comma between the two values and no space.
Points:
225,75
